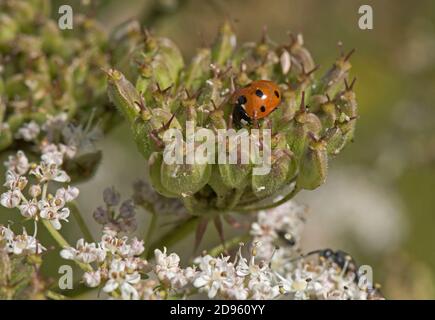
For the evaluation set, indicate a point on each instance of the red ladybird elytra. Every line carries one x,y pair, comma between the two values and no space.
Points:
255,101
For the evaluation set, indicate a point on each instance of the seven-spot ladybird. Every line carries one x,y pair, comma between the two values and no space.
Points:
255,101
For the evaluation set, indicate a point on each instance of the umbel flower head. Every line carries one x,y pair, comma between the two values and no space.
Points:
47,73
313,123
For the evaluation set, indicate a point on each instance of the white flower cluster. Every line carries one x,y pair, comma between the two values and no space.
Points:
281,226
303,277
118,265
33,199
280,273
323,279
60,134
122,273
241,279
19,244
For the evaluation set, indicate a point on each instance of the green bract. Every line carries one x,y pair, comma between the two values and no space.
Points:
315,120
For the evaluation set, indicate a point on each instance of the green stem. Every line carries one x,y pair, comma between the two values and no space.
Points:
229,244
63,243
55,234
81,222
151,228
175,235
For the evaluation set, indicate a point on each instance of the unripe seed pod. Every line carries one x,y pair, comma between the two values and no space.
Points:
289,106
302,55
123,94
224,45
198,71
172,57
328,115
331,81
298,136
283,169
154,173
185,179
313,167
235,175
335,140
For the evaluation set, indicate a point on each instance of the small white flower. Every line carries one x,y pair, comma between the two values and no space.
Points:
15,181
52,158
53,213
68,194
6,233
137,247
29,209
35,190
84,252
18,163
49,172
29,131
92,279
25,243
215,274
168,270
11,198
118,278
69,151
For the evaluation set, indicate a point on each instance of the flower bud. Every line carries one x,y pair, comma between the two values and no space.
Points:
198,71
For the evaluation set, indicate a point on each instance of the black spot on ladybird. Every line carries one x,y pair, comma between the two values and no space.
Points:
259,93
263,109
277,94
242,100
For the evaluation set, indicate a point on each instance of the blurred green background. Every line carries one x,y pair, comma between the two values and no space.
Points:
379,200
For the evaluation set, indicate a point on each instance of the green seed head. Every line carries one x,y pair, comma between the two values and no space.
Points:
315,119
